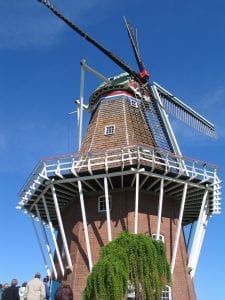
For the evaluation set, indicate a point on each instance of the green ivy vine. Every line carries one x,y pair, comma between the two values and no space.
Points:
136,259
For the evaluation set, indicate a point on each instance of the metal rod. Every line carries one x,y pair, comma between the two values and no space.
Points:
61,228
107,209
53,236
96,73
85,225
80,105
178,228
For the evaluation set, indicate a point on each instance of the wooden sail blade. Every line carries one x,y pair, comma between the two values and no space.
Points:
185,113
132,33
108,53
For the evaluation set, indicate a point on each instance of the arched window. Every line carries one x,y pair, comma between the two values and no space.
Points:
160,237
166,293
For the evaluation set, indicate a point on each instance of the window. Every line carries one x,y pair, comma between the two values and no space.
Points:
166,293
109,130
160,237
134,103
102,203
130,291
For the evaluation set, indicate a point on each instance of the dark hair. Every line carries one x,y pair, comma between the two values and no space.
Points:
24,284
14,282
37,275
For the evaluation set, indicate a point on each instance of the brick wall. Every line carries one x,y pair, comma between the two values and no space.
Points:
130,127
122,218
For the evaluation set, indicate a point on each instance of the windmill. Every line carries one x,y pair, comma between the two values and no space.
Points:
157,101
129,174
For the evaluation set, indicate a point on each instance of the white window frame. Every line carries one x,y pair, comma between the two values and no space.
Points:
102,203
134,103
160,237
166,293
109,129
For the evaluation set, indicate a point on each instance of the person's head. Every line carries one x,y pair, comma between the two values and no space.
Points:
24,284
5,286
14,282
37,275
45,279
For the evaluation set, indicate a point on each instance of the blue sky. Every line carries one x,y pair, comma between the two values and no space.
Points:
182,44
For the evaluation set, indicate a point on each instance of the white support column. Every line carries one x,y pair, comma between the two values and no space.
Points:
196,241
85,225
201,238
46,241
53,237
40,246
136,203
175,247
160,208
107,209
61,228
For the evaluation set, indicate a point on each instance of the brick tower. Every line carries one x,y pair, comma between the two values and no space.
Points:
129,175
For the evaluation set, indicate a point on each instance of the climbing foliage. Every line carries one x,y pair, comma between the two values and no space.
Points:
134,259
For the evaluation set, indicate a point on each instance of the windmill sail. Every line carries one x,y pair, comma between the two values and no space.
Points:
155,115
171,104
183,112
132,33
154,108
109,54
